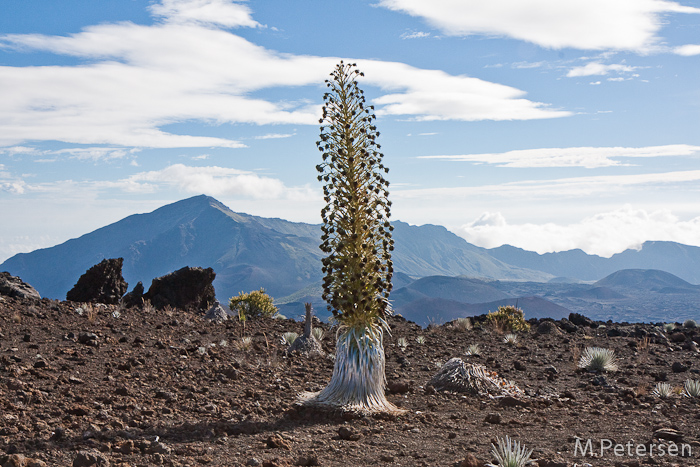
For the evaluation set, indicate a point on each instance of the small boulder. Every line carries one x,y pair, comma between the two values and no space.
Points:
102,283
186,288
88,459
548,327
13,286
216,313
580,320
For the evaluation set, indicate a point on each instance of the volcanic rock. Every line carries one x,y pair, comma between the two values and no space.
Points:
14,287
102,283
135,297
188,288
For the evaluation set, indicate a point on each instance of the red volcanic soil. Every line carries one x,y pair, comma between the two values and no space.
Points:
145,387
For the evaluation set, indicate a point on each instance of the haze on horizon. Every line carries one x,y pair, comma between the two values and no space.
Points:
548,129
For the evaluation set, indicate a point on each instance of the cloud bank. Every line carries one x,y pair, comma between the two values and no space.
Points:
134,80
586,157
581,24
603,234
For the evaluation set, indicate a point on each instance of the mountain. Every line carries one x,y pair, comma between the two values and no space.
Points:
246,252
649,280
675,258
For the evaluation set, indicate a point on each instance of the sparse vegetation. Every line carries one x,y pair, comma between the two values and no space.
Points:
510,453
598,359
251,305
420,340
462,324
508,319
670,327
690,324
691,388
244,343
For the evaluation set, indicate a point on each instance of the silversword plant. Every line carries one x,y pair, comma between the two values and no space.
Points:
691,388
420,339
510,339
473,349
318,334
288,338
598,359
662,390
402,343
670,327
510,453
462,324
356,238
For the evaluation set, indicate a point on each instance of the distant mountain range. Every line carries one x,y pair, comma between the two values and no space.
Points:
438,273
678,259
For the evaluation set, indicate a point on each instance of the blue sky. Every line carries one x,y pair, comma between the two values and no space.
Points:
544,124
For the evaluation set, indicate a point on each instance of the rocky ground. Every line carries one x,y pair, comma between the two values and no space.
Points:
82,385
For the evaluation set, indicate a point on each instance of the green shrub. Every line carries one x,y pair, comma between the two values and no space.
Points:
508,319
255,304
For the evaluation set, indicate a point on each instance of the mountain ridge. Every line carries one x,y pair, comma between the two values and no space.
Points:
247,252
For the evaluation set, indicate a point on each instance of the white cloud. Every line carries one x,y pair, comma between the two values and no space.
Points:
687,50
214,181
587,157
556,190
603,234
435,95
581,24
276,136
599,69
415,35
218,12
137,79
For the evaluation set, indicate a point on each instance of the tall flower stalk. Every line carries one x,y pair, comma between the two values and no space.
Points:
356,237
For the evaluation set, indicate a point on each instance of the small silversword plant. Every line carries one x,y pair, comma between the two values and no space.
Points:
402,343
510,339
598,359
670,327
318,334
420,339
690,324
662,390
288,338
691,388
245,343
462,324
473,349
509,453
